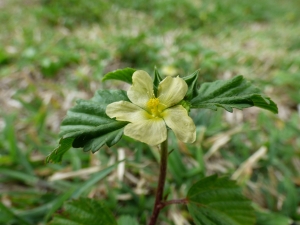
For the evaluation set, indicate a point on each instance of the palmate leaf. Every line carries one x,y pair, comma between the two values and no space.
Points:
233,93
84,211
87,126
219,201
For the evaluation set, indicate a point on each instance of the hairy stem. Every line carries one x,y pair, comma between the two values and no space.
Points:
161,182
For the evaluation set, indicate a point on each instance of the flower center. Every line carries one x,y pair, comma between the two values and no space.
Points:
153,104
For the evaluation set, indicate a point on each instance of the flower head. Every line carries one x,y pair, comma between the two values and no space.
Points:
149,115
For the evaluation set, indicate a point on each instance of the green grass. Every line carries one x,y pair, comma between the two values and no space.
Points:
54,52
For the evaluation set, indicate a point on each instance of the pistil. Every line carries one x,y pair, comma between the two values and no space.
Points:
153,104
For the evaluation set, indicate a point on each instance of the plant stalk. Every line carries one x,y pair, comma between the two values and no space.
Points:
174,201
161,182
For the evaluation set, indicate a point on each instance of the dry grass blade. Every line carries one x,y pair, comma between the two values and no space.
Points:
246,168
72,174
216,146
121,166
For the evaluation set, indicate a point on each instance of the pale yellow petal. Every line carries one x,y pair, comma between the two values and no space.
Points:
182,125
151,132
142,88
126,111
171,91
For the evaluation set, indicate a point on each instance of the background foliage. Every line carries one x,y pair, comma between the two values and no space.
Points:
54,52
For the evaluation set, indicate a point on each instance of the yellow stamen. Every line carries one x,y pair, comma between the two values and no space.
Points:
152,104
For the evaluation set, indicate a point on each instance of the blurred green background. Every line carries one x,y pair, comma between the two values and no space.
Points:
53,52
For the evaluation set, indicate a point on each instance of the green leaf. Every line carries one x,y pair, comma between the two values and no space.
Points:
84,211
56,155
234,93
58,202
156,81
93,139
157,77
291,201
21,176
219,201
191,81
7,215
268,218
87,125
127,220
121,74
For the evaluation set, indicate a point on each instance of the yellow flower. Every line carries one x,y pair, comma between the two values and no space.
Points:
149,115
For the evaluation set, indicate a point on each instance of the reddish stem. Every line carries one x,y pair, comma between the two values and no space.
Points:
161,182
